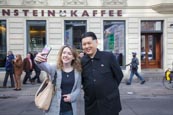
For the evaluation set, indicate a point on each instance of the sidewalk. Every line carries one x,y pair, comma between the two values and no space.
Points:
153,86
150,88
150,96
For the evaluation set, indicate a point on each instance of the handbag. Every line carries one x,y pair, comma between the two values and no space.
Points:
45,92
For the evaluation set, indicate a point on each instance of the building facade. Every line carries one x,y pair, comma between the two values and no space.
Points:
122,27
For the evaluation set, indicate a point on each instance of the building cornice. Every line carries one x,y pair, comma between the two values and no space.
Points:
163,8
74,7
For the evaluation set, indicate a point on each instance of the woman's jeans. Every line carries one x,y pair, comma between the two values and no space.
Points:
67,113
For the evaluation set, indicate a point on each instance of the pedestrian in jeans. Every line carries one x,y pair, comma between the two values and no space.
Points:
9,69
134,69
101,76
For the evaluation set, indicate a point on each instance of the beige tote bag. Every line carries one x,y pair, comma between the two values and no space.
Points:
45,93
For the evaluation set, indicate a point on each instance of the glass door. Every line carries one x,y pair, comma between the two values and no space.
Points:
150,51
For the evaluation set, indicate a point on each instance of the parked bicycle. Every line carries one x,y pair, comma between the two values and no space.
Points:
168,79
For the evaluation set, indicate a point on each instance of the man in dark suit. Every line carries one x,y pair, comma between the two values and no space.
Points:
101,77
37,71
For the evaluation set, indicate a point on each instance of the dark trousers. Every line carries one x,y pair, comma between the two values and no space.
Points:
37,76
27,76
8,73
67,113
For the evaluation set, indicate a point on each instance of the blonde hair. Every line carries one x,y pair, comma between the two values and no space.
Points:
75,63
19,57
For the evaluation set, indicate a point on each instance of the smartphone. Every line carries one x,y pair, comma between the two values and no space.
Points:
46,50
64,96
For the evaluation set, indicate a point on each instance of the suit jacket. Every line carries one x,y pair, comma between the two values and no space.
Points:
55,105
101,77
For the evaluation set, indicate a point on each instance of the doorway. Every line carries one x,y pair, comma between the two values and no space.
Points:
150,51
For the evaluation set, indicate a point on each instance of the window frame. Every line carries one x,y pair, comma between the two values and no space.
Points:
30,23
122,64
5,39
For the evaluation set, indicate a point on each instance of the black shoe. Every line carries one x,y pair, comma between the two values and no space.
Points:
32,80
128,83
15,89
19,89
142,82
32,83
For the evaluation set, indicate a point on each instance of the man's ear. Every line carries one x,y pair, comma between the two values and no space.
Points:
96,41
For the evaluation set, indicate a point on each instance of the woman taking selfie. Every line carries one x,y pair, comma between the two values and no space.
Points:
68,82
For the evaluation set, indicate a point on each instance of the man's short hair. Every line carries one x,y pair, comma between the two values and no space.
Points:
89,34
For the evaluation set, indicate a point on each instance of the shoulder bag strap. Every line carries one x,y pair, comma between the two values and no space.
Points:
54,79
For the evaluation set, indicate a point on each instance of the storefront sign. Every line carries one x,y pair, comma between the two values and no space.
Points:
61,13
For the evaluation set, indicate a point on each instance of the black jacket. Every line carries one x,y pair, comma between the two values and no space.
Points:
101,77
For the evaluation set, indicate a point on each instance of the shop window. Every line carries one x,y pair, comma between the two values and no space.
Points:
3,43
36,35
73,32
114,39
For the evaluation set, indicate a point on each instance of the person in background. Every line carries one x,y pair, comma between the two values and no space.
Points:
68,83
101,76
28,67
37,71
81,54
9,69
18,69
134,69
150,53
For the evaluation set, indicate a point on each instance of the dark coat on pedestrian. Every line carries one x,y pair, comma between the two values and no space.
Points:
9,63
101,77
36,68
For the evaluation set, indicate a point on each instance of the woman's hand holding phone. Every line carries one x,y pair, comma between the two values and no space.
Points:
42,56
46,50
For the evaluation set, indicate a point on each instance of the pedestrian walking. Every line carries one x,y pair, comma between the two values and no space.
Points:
101,76
9,69
37,71
28,67
18,69
134,69
68,83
